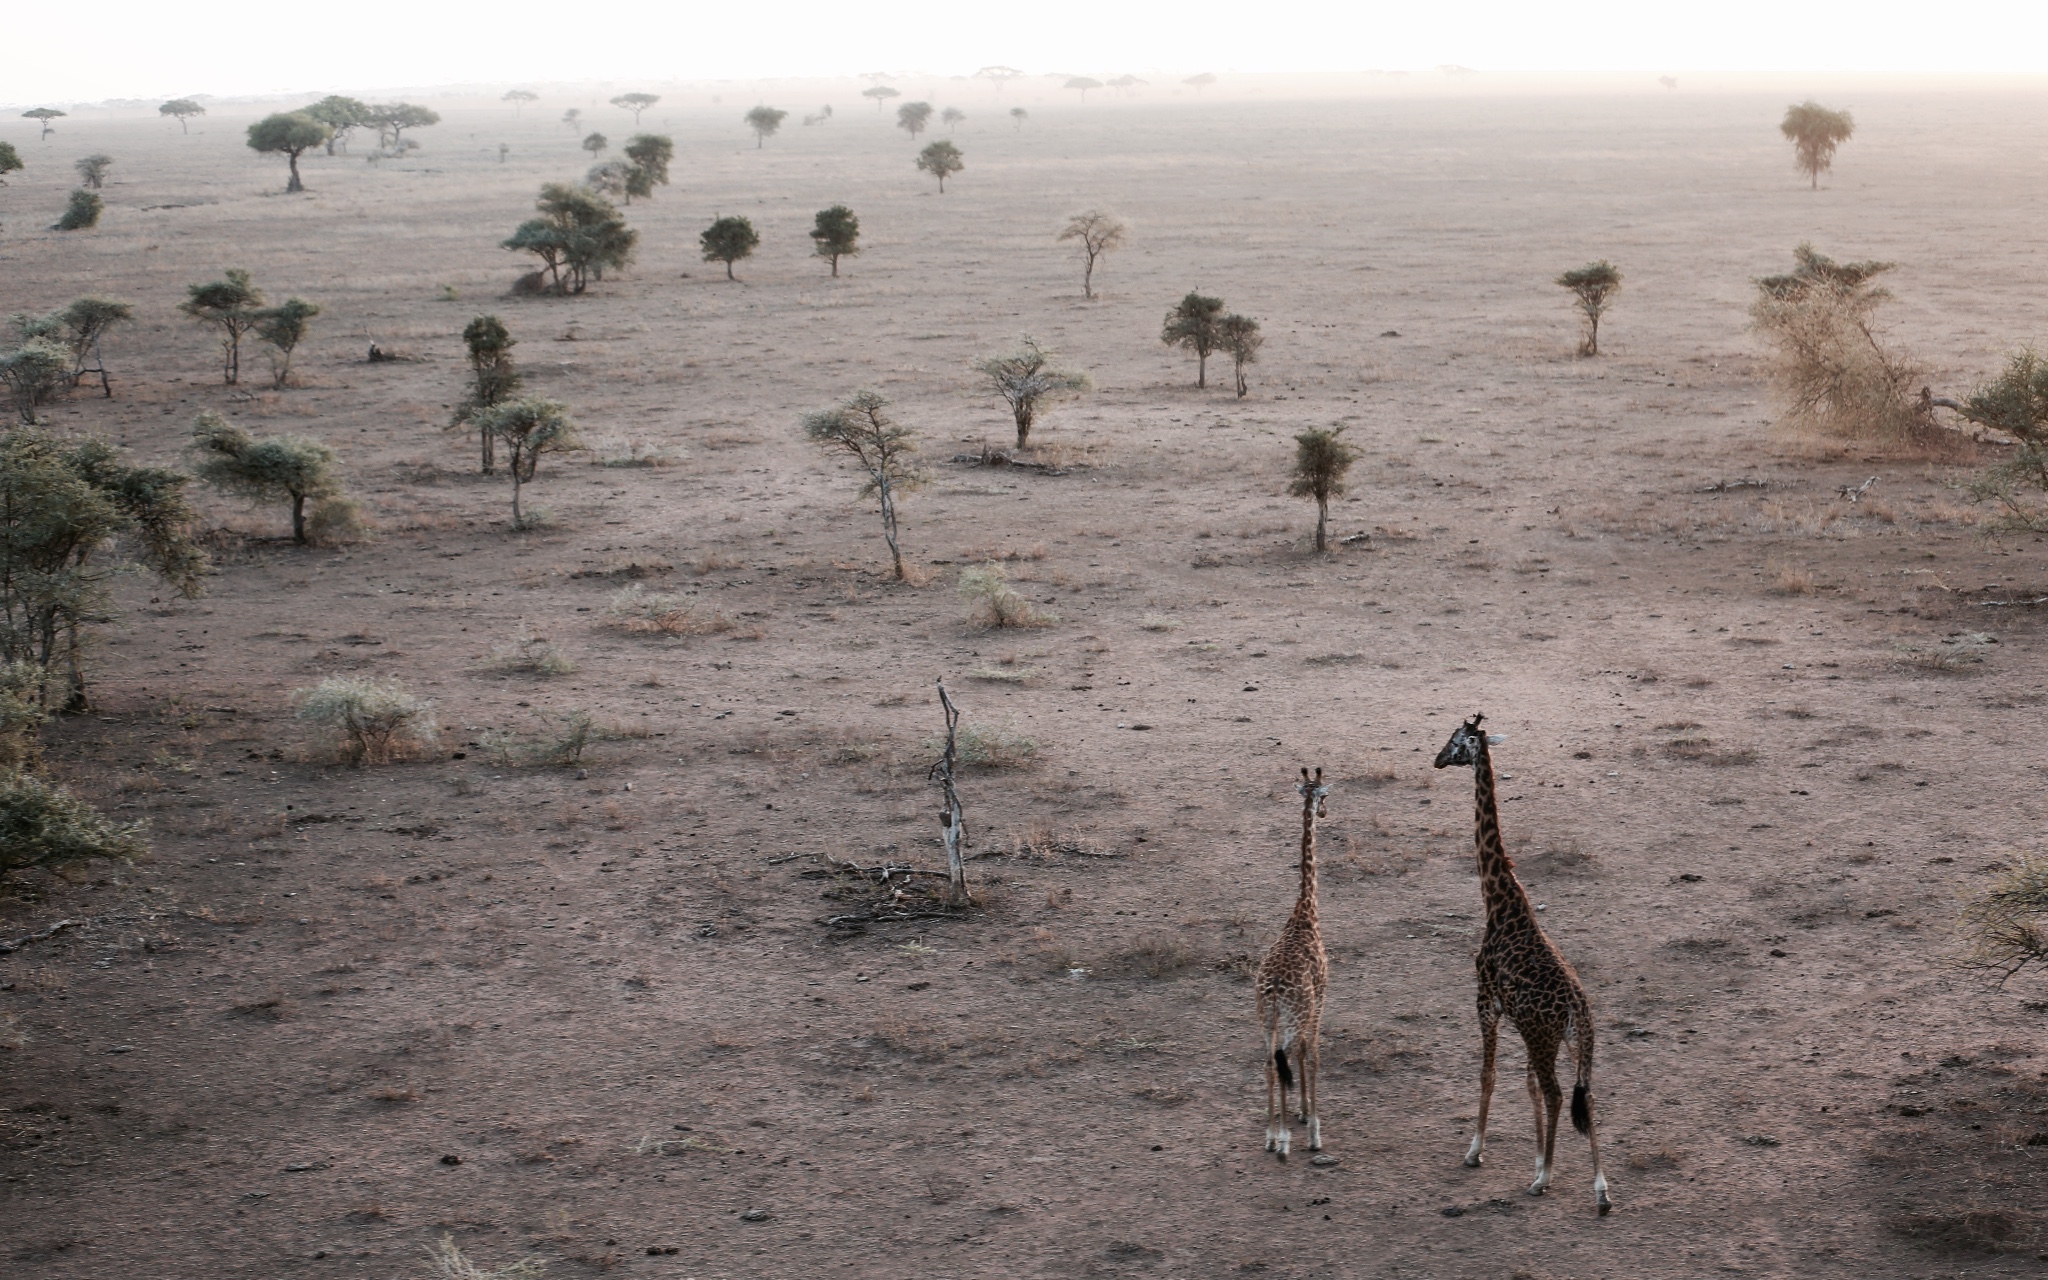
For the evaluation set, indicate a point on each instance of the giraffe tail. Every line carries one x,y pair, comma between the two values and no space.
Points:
1286,1073
1582,1089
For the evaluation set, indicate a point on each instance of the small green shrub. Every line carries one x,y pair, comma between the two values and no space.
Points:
377,720
993,602
43,825
82,213
21,713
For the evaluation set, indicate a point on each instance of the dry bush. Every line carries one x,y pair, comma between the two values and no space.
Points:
638,611
528,652
988,747
1158,622
378,721
561,741
1158,955
2007,928
993,602
1955,654
1792,582
1829,367
450,1263
1698,749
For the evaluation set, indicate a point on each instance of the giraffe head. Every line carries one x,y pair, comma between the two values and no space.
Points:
1467,744
1313,792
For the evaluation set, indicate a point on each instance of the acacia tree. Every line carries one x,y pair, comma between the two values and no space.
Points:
1019,115
1192,325
912,117
836,234
1320,461
636,103
728,240
229,304
573,118
184,109
92,170
998,76
1099,233
2015,403
952,116
34,373
79,328
519,98
70,512
881,93
1592,287
342,115
528,427
861,429
1084,84
391,120
1815,132
1239,338
273,469
10,160
283,327
650,154
1200,82
577,236
1027,380
292,134
595,143
941,159
43,116
492,380
764,121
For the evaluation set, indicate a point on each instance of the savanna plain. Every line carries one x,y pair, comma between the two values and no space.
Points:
1761,741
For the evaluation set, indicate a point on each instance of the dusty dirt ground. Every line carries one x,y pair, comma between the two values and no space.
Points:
1756,753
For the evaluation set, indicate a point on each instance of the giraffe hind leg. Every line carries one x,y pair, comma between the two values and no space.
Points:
1548,1101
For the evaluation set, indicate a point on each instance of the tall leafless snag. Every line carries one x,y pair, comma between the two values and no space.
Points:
952,829
1099,233
884,448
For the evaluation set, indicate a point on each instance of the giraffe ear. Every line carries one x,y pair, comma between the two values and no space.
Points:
1495,739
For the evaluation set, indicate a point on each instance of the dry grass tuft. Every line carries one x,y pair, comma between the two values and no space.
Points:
1697,749
528,652
638,611
988,746
450,1263
993,602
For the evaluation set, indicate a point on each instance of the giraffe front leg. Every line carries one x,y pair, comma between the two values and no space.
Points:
1311,1068
1489,1042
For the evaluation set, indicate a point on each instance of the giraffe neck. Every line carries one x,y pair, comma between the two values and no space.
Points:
1504,894
1305,904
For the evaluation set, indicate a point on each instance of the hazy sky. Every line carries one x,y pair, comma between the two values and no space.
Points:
151,48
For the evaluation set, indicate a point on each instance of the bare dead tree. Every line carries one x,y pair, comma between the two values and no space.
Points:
951,828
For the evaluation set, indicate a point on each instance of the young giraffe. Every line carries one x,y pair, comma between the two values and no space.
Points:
1291,983
1523,977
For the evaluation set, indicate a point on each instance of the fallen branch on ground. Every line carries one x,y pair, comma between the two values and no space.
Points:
9,948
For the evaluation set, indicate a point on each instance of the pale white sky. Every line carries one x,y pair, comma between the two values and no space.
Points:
154,48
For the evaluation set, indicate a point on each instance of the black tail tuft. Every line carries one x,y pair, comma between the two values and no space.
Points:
1582,1108
1286,1072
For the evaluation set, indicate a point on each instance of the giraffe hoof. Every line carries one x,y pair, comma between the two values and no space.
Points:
1604,1207
1474,1160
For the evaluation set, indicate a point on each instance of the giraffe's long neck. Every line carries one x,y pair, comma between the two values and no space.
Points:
1305,904
1505,897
